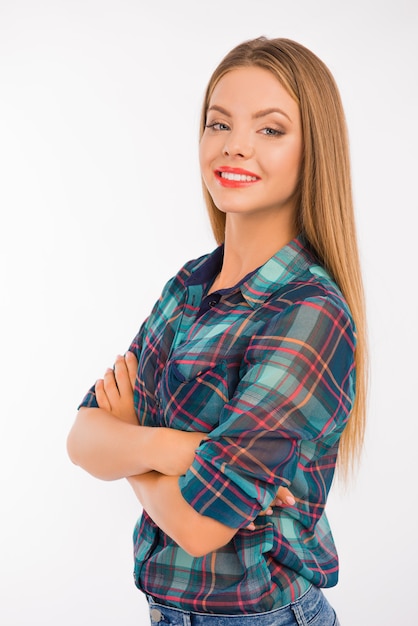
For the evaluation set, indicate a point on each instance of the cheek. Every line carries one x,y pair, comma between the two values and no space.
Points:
203,155
294,167
292,163
207,154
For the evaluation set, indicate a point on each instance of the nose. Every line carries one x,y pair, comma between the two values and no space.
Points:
238,144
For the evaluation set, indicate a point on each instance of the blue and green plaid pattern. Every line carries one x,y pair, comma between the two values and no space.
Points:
267,368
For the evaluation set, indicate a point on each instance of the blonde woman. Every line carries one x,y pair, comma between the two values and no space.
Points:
248,376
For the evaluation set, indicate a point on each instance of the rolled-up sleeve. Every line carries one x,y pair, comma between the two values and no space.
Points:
297,383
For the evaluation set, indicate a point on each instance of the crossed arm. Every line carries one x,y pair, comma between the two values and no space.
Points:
108,443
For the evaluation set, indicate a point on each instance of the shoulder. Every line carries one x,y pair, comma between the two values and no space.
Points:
194,272
173,292
314,287
179,280
193,265
311,308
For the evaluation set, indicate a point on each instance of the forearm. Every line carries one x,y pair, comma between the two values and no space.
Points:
161,497
108,447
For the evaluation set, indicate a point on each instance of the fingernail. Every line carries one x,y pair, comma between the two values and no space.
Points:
251,526
278,502
269,511
290,500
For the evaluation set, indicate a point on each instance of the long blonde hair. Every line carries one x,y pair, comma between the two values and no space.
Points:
325,210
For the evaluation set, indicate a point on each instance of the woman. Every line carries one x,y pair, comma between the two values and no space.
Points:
249,374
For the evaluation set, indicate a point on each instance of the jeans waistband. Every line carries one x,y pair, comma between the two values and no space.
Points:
300,612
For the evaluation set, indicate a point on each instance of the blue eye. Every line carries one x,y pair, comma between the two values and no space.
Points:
272,132
217,126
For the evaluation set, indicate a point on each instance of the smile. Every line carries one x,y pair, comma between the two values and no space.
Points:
239,177
234,177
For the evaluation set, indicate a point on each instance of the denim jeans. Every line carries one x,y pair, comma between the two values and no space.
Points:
311,609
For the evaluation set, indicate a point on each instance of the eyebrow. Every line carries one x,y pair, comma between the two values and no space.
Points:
257,115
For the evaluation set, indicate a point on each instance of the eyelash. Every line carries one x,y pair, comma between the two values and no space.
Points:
214,124
276,132
272,132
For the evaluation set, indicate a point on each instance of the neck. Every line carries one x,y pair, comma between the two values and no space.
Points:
250,242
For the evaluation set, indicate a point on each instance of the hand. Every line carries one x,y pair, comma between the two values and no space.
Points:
115,391
283,498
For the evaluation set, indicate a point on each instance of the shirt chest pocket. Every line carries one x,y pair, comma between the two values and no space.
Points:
190,398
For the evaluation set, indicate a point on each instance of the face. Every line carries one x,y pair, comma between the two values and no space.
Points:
251,148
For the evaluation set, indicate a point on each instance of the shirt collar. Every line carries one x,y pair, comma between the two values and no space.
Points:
288,263
208,268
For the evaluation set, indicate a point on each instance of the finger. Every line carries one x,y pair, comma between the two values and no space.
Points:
110,387
132,365
284,497
122,377
268,511
101,397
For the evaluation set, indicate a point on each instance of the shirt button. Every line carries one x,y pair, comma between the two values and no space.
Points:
156,615
212,303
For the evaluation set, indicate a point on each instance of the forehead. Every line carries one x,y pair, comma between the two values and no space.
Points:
251,87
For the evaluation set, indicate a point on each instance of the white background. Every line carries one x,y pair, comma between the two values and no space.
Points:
100,204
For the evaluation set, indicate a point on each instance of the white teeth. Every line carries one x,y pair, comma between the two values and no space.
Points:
238,177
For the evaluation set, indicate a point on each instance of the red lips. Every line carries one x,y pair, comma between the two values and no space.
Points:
235,177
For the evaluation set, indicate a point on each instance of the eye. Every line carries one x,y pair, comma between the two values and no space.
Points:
217,126
271,132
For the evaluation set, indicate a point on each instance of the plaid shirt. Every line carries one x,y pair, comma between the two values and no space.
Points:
267,368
